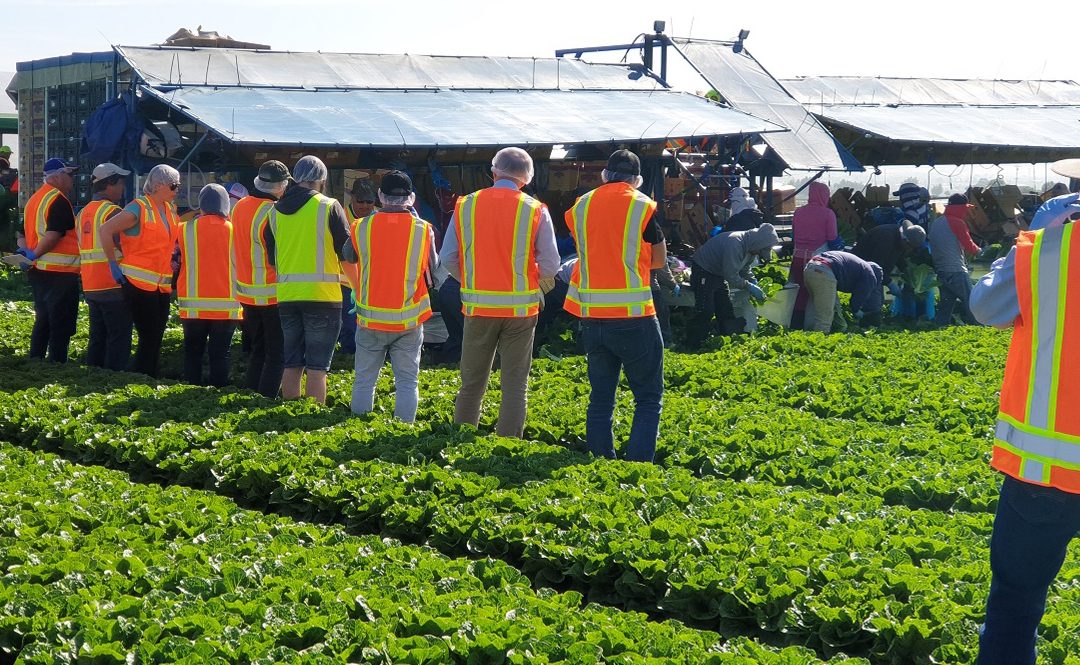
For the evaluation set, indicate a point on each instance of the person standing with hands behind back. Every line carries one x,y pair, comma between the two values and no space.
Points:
619,244
149,225
206,287
499,245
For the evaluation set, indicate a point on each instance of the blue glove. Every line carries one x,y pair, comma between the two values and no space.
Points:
715,231
859,314
675,291
352,299
28,253
117,274
1055,212
895,289
755,292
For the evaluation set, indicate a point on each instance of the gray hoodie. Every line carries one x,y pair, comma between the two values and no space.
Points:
729,255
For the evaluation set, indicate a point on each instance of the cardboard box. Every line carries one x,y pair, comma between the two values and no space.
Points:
783,200
877,194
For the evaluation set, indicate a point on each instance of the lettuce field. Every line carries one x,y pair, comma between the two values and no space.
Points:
815,499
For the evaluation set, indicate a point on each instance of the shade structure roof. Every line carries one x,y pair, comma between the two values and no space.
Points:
375,100
1005,120
747,86
454,118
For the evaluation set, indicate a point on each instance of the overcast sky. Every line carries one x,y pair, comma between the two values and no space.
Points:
834,37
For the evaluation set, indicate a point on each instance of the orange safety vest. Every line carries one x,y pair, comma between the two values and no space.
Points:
255,277
392,250
148,255
496,230
64,257
92,262
613,273
1038,427
206,287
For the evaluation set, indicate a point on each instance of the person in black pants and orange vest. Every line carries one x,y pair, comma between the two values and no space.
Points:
206,287
51,244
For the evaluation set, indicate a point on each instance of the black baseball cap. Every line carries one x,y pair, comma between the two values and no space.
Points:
273,171
396,183
624,162
958,200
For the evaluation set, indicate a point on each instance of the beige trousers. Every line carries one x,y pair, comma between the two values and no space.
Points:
513,339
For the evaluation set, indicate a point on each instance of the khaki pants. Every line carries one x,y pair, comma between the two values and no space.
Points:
821,283
513,339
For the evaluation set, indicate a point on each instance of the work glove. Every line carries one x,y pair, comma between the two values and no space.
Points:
1055,212
895,290
755,292
352,301
676,290
715,231
117,274
29,254
859,314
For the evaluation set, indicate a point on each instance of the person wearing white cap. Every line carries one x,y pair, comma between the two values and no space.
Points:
110,316
50,243
305,242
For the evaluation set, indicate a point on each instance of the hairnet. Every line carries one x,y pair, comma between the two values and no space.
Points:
214,200
309,169
160,176
513,162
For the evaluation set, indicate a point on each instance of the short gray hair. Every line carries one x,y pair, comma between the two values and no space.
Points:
400,201
160,176
513,163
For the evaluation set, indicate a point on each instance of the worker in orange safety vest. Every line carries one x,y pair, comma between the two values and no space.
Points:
1035,290
499,244
256,279
394,253
50,242
110,317
206,288
619,243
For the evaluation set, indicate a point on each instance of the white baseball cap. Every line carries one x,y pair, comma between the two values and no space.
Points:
106,170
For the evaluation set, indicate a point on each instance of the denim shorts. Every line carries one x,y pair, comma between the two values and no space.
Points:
310,330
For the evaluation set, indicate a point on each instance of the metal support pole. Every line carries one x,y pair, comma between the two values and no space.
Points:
193,149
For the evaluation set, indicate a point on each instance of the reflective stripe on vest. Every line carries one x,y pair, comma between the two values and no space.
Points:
522,299
64,256
207,288
1038,429
255,281
400,309
321,283
93,264
588,296
148,255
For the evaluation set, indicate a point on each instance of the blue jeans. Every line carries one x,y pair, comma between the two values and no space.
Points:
404,348
635,347
1032,530
346,336
309,333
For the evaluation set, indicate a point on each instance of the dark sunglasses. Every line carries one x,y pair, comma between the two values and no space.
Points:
370,202
175,186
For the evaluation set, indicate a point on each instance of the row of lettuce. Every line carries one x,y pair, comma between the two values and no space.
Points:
846,572
98,569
